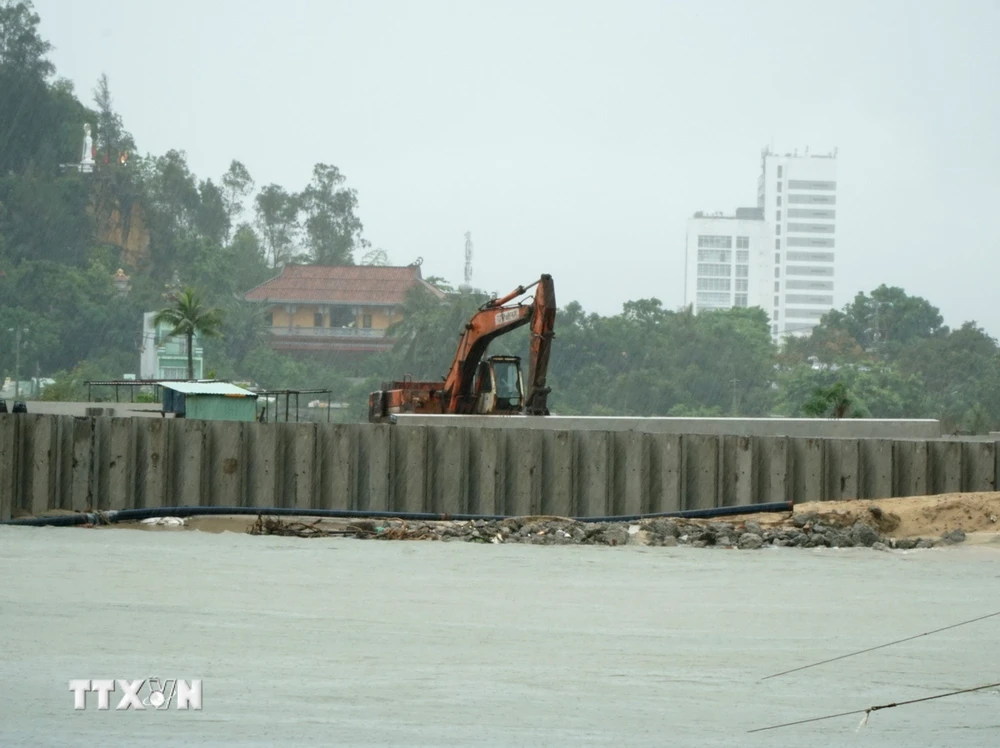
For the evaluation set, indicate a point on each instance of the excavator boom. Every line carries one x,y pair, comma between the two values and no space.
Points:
467,388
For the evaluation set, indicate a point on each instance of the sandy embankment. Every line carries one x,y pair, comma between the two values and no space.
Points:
977,514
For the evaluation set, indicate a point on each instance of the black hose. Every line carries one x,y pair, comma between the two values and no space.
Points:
134,515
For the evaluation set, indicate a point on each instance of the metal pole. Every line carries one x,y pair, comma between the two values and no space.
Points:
17,364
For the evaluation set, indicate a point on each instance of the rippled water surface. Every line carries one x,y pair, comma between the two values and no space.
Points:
346,642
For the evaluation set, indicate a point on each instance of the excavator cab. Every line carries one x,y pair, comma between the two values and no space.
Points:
499,386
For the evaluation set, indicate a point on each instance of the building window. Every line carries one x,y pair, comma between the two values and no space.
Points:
742,242
713,300
777,272
777,286
715,255
777,216
776,314
780,169
741,299
779,186
742,271
777,258
742,285
777,229
318,319
713,284
715,271
743,256
777,243
366,321
716,242
774,329
779,200
777,302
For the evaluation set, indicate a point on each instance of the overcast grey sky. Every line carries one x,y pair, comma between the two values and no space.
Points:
575,138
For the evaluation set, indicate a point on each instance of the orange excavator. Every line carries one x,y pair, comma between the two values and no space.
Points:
478,386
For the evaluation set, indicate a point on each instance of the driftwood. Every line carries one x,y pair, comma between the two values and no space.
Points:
365,530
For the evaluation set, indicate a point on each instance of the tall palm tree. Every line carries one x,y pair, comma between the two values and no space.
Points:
189,316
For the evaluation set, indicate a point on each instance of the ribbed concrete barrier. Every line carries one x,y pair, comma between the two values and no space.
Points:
87,463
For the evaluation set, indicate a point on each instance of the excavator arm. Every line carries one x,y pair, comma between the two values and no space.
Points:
543,321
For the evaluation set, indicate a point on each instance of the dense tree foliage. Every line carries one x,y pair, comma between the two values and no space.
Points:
64,233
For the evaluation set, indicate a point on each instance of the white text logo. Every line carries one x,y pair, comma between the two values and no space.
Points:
145,693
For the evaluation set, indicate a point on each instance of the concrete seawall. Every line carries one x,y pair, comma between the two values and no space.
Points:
82,463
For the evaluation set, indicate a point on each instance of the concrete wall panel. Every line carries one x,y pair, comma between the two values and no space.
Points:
301,475
412,460
448,470
701,464
523,473
945,474
100,463
594,458
738,471
773,472
558,476
667,480
186,475
152,456
374,477
84,466
487,477
337,451
630,452
979,466
877,473
227,464
263,484
843,470
9,465
910,459
809,470
119,490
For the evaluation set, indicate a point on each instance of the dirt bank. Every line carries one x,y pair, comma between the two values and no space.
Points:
909,517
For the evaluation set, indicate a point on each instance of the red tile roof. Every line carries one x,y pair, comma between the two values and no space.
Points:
341,284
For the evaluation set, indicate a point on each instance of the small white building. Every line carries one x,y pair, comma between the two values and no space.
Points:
164,357
725,260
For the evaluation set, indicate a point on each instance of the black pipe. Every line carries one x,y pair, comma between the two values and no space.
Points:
134,515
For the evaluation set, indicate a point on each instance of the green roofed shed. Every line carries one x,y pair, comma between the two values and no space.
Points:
209,401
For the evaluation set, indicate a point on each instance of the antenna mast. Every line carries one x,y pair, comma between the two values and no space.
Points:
468,261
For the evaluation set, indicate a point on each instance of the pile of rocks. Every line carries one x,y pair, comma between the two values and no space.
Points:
802,531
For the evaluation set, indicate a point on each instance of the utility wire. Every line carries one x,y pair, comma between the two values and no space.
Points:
880,646
871,709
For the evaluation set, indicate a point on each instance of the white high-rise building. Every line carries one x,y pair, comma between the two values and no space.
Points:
798,195
778,256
